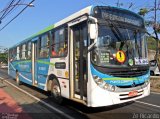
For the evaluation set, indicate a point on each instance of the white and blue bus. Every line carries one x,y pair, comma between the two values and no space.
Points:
97,57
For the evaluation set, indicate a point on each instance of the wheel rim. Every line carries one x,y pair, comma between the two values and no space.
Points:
56,91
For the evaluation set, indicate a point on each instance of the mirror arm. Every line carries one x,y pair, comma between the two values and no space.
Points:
91,46
94,20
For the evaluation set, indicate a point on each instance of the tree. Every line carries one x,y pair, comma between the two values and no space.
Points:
152,22
4,55
4,58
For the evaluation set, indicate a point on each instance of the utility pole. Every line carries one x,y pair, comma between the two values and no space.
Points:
131,4
117,3
155,12
155,28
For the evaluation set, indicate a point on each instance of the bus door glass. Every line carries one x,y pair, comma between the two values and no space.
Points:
80,59
34,62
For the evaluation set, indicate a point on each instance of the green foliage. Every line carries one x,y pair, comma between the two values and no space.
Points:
151,43
4,57
158,29
143,11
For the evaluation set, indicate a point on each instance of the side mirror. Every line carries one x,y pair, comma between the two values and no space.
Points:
93,31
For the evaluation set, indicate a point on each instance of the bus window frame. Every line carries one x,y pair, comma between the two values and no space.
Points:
27,43
18,46
11,54
23,51
39,47
66,40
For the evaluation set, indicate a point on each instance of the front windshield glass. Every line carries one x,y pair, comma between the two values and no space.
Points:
119,46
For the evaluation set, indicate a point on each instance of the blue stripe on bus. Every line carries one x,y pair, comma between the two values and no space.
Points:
42,71
24,68
117,81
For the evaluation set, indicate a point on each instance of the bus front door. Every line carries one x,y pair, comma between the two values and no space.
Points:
79,35
34,63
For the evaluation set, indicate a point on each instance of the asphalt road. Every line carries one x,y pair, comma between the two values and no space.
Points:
146,108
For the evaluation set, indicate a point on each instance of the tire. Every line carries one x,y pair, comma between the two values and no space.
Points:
151,73
56,92
18,82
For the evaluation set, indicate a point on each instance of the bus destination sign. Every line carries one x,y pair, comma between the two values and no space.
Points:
116,17
120,15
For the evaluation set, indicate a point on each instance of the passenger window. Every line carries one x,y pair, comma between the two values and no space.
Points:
59,43
18,53
29,47
14,55
44,46
11,55
23,51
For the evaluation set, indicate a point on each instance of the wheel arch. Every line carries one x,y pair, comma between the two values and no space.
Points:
51,77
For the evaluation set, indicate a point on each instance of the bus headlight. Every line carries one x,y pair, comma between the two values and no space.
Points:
106,86
147,82
101,83
95,77
113,88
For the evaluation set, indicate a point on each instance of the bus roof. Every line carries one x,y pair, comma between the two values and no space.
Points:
87,10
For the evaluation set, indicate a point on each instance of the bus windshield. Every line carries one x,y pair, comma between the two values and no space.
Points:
119,46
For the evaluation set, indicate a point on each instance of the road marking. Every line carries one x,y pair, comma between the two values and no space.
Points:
148,104
155,93
41,101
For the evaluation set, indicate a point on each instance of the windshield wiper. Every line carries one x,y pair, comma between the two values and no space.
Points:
115,30
137,47
117,33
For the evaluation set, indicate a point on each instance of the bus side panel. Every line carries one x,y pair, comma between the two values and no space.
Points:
62,74
12,70
25,77
42,72
24,69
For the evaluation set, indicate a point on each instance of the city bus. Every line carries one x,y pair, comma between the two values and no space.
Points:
96,56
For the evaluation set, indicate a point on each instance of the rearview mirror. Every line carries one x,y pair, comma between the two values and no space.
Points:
93,31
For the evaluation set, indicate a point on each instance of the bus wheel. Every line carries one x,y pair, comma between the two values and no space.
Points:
56,92
17,79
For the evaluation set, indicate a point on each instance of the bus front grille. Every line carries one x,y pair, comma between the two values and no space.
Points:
133,73
125,96
131,86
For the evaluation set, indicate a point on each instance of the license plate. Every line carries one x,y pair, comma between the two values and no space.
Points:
133,93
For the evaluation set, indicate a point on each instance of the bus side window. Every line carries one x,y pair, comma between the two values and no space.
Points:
10,55
59,43
44,44
14,54
18,54
23,51
29,50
